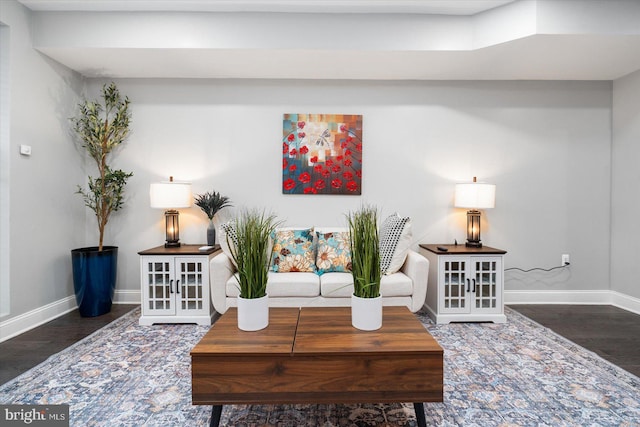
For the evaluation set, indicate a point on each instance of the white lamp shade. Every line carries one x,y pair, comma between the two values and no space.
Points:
475,195
170,195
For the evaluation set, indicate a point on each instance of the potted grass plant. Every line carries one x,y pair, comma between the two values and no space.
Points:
366,302
100,128
250,251
211,203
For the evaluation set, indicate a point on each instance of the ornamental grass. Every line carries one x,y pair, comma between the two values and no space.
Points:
365,252
251,251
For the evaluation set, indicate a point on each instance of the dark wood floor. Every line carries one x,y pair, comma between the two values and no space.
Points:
611,332
21,353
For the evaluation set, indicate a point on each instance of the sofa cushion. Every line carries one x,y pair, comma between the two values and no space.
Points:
283,285
396,285
395,240
333,252
336,285
340,285
293,251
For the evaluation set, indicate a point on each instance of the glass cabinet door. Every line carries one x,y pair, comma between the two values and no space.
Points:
487,291
454,290
191,280
159,285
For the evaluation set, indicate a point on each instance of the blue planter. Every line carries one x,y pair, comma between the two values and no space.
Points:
94,279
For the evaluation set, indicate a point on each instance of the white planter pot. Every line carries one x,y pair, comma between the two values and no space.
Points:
366,313
253,314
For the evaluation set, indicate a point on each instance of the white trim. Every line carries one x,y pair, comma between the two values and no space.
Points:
34,318
127,297
31,319
557,297
626,302
20,324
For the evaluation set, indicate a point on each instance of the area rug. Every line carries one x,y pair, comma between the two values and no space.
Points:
518,373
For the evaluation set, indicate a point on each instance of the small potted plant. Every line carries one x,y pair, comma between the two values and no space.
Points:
366,302
249,246
100,129
211,203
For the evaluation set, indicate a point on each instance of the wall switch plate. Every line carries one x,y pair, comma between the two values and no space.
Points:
25,150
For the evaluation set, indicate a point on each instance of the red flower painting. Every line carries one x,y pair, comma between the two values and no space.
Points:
322,154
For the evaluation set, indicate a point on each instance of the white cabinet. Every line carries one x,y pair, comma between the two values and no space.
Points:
467,285
175,285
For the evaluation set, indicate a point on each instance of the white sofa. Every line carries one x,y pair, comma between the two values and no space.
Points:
407,287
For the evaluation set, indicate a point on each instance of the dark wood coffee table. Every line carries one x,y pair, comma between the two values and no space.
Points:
314,355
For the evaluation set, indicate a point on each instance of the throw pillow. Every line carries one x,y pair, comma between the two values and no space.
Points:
395,240
228,228
334,252
292,251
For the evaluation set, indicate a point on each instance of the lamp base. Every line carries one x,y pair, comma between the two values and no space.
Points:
473,229
172,229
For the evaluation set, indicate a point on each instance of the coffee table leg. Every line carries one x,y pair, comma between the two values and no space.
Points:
216,412
419,408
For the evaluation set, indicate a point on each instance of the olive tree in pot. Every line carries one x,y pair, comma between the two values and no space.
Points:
248,240
100,127
366,302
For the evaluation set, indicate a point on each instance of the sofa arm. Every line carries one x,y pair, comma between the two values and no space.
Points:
416,267
220,271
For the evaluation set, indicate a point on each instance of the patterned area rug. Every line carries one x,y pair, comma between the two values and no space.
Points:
518,373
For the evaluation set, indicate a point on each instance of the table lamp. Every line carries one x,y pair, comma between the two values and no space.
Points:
474,195
171,195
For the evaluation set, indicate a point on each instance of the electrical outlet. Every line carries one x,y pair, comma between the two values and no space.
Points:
565,259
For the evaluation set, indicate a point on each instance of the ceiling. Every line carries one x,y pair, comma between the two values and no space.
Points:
444,7
358,39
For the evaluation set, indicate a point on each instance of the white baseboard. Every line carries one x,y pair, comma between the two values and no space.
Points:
626,302
617,299
127,297
34,318
22,323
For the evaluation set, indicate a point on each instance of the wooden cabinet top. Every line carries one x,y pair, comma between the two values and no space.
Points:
181,250
462,250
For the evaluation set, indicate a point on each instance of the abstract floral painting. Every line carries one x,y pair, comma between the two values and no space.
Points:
322,154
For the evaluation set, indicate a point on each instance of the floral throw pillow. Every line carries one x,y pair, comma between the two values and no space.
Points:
334,252
292,251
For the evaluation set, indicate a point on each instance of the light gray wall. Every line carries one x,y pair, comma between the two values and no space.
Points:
5,296
46,218
546,145
625,227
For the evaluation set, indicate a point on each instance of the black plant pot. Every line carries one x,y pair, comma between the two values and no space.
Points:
211,236
94,279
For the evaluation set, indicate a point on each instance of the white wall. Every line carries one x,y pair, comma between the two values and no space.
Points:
546,145
625,227
46,219
5,48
